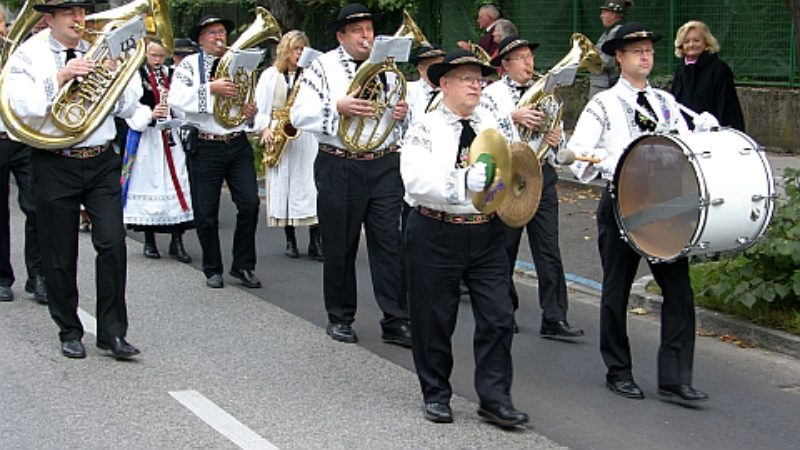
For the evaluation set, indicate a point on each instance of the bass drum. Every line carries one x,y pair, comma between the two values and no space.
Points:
696,193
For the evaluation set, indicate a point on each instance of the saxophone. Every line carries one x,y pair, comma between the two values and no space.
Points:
282,131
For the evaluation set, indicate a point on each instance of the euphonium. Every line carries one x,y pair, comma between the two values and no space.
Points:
369,81
27,17
81,106
229,112
282,130
583,56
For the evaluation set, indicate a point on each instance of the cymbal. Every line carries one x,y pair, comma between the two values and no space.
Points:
525,187
492,142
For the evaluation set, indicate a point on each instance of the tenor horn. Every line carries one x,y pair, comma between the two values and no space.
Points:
80,107
229,112
365,134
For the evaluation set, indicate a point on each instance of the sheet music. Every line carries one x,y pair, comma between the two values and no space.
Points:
307,57
390,46
248,60
125,37
563,77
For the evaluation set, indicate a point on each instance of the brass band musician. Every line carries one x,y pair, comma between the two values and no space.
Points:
218,154
355,189
87,173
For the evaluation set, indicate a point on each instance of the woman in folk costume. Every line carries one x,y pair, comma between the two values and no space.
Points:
291,193
156,196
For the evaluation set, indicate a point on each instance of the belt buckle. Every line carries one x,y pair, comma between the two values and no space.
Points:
85,153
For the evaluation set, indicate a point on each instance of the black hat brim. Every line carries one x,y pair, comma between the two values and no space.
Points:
611,46
438,70
63,5
195,34
498,60
337,25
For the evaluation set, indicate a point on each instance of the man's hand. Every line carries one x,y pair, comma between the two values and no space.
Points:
76,67
528,117
553,137
350,105
160,111
249,110
400,110
223,87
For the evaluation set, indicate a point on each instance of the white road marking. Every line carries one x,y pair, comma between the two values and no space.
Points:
218,419
88,321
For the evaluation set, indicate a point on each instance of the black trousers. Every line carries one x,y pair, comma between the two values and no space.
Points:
440,255
620,261
352,193
213,162
543,241
15,158
61,185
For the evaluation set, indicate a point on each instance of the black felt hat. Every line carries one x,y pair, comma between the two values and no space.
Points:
426,52
617,6
454,59
508,45
184,46
53,5
354,12
210,20
627,33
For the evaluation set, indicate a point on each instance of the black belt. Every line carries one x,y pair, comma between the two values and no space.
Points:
363,156
458,219
83,152
219,137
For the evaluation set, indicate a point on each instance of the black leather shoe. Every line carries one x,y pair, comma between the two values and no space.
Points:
6,294
397,333
177,251
291,250
559,329
118,347
247,277
438,412
73,349
151,251
625,388
215,281
503,416
682,391
37,287
342,332
315,244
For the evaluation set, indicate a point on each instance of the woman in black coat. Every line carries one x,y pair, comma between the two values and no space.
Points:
703,82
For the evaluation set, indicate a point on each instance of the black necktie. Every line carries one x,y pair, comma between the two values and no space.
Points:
431,96
70,55
644,123
464,141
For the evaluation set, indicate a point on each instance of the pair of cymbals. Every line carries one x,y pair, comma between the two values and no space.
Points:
517,186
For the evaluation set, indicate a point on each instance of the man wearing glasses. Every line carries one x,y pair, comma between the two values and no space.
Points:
449,240
607,125
517,59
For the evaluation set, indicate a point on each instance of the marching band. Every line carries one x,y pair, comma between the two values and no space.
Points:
435,153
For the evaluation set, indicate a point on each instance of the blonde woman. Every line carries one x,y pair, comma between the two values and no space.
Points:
291,193
703,82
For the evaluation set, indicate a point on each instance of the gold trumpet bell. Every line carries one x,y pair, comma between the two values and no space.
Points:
410,29
492,142
525,189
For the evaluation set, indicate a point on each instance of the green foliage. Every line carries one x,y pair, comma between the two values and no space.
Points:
258,156
768,273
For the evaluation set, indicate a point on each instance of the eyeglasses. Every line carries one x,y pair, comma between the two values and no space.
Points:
640,51
469,79
523,58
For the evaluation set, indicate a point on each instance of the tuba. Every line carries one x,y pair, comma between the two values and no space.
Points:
541,95
229,111
81,106
27,17
368,80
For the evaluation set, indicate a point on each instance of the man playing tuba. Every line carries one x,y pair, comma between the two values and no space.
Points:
218,154
516,57
354,188
87,173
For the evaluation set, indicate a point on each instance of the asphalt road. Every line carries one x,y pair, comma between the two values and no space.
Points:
239,351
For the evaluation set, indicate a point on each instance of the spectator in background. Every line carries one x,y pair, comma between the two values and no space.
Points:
704,82
612,14
487,18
